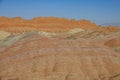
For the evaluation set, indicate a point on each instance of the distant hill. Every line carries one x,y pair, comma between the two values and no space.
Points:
49,24
111,24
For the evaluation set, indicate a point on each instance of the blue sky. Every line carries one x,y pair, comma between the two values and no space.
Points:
98,11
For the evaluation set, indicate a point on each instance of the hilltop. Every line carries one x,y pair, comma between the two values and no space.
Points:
49,24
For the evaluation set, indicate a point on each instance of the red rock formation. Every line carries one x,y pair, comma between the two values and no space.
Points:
113,42
51,24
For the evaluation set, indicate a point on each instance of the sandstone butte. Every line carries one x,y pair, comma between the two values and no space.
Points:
58,49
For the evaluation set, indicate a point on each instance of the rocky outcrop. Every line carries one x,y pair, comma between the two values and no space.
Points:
4,35
49,24
114,43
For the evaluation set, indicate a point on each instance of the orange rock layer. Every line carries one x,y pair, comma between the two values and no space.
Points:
50,24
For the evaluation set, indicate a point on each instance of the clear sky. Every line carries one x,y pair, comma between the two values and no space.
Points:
98,11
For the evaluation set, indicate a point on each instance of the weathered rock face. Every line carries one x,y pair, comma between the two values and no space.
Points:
4,35
114,43
37,57
49,24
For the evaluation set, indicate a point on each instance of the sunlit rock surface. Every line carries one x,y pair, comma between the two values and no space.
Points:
73,54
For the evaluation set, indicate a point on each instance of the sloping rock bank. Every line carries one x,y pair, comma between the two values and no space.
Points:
36,57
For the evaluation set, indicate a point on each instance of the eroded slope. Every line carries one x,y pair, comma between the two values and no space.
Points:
67,56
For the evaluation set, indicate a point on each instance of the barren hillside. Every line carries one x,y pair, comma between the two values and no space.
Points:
76,50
